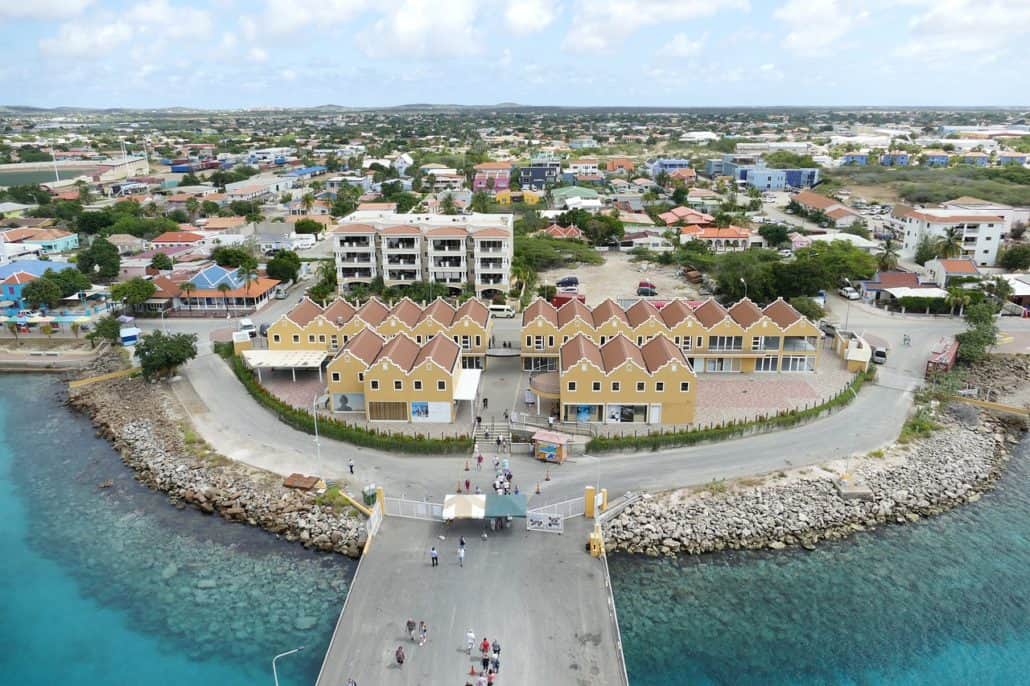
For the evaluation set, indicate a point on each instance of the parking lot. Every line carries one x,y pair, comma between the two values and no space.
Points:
618,277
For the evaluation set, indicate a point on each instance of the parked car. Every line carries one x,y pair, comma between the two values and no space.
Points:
879,355
647,284
568,281
263,330
647,292
568,289
247,326
827,328
849,293
506,311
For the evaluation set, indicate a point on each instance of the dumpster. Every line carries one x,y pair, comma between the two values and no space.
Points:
368,495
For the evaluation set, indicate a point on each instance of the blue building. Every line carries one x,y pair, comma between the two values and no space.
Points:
935,158
855,159
765,179
894,159
307,172
1016,158
539,173
802,178
15,275
713,168
667,165
977,159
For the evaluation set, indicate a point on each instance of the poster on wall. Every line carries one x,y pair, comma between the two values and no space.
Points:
584,413
348,402
614,414
423,411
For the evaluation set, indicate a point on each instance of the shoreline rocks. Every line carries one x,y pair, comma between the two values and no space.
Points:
145,425
955,465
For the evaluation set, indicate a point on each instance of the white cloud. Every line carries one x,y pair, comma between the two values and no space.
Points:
965,27
286,16
258,55
504,61
421,28
530,16
816,26
682,46
179,22
769,71
73,41
598,25
42,9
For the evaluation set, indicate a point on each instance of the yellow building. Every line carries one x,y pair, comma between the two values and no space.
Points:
743,338
309,326
397,379
620,382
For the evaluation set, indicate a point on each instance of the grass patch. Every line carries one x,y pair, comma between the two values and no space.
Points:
877,454
919,425
783,420
334,498
716,486
330,427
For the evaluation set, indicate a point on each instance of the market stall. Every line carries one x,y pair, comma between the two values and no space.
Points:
551,446
460,506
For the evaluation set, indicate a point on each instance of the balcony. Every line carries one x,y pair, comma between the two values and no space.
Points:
401,244
446,278
351,274
805,344
491,280
356,243
492,265
402,259
403,276
447,246
444,263
354,258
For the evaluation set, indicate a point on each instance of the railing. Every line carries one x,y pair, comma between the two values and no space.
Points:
532,421
566,508
414,509
614,615
373,522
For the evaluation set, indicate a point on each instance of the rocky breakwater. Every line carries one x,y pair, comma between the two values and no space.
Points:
144,422
954,465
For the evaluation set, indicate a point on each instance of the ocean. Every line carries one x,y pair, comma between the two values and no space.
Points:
943,601
113,585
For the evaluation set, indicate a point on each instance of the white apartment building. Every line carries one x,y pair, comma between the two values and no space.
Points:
981,234
405,248
583,166
1009,214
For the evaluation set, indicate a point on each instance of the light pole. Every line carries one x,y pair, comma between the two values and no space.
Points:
745,286
163,327
275,675
314,411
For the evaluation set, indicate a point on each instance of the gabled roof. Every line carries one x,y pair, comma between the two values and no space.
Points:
355,229
339,311
659,351
619,350
884,280
406,311
572,309
710,313
439,310
781,312
675,312
373,312
579,347
166,288
365,345
178,237
540,308
18,278
400,350
745,312
304,311
475,310
607,310
640,311
441,350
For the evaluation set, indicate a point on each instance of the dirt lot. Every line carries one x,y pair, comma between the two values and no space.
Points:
618,278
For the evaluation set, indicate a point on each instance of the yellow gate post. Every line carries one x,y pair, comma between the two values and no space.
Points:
588,502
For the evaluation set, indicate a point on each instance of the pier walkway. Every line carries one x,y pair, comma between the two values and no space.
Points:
540,594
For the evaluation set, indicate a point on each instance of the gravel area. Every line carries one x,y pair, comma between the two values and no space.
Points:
618,278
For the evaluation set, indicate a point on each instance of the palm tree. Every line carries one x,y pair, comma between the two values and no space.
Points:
192,205
950,244
224,288
13,328
186,288
307,202
887,260
999,288
248,275
957,296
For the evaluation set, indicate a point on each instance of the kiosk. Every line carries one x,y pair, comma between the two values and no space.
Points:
551,446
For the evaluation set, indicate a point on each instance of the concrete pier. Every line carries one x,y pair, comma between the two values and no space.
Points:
540,594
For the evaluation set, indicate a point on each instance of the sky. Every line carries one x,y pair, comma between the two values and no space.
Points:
367,53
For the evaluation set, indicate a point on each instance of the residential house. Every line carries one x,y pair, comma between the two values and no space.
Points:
977,159
1017,158
583,142
127,243
177,239
685,216
556,231
402,162
942,271
980,235
231,224
11,210
561,196
620,164
685,175
649,239
586,165
242,295
542,171
718,239
839,214
743,338
491,177
935,158
14,275
667,165
854,159
42,241
876,288
894,158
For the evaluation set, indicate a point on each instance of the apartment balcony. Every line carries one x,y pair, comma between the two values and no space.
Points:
492,280
402,259
799,344
446,278
447,246
365,243
408,245
354,259
441,263
491,265
403,276
356,274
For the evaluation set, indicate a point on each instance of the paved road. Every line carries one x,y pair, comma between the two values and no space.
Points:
539,594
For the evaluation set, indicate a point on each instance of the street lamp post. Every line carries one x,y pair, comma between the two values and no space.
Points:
275,675
314,411
745,286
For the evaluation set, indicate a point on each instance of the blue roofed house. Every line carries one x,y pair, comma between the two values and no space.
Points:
240,295
307,172
895,158
667,165
854,159
15,275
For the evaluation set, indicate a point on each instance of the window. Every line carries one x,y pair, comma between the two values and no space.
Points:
564,339
361,377
334,341
640,387
538,342
418,385
572,387
640,340
478,341
767,364
616,386
455,338
441,385
398,385
684,386
659,386
275,337
725,342
418,339
345,338
296,338
311,338
466,342
700,341
550,341
336,376
595,386
374,384
321,338
529,341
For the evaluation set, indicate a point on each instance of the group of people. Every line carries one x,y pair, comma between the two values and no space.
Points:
419,633
489,659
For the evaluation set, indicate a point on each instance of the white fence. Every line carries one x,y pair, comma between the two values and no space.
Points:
615,619
414,509
539,521
372,525
566,508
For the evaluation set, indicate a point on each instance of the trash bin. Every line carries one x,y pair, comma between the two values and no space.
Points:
369,495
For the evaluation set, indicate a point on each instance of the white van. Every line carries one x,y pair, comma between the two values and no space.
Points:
502,311
303,241
247,326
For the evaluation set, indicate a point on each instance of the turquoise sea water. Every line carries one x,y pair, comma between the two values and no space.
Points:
943,601
115,586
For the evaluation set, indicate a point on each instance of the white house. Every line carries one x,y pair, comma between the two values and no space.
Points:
980,234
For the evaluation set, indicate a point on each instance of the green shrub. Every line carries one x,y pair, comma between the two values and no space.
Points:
678,439
329,427
919,425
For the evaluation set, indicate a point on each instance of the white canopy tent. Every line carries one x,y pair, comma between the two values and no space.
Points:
285,359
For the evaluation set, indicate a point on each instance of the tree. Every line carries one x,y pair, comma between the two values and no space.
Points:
76,328
189,179
248,275
999,288
447,205
925,250
774,234
950,244
284,266
209,208
47,330
161,262
187,287
887,258
133,292
957,297
808,307
307,226
106,329
160,354
192,206
41,292
100,258
342,206
70,280
547,291
231,256
980,314
224,288
1018,229
480,202
13,328
307,201
94,222
1016,258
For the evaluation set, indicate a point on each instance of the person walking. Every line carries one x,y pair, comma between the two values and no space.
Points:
484,647
495,663
350,465
496,647
479,462
485,662
351,682
468,485
434,556
461,556
470,641
423,633
411,629
461,541
399,656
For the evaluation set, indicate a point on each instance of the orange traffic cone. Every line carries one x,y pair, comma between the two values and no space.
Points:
466,465
547,476
472,670
538,487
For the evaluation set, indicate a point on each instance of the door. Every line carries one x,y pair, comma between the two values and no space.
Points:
654,414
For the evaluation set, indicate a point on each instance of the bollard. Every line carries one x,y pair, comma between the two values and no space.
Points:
547,475
466,465
588,502
538,488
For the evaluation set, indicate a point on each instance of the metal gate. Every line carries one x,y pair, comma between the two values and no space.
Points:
540,521
414,509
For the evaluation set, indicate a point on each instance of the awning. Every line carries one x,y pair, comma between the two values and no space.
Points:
6,303
464,506
468,384
906,292
505,505
551,437
284,359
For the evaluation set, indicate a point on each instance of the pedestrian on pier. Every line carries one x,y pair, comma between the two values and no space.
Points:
479,462
495,663
411,628
496,647
468,485
423,633
461,541
484,647
470,641
399,656
461,556
434,556
485,662
350,465
506,415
